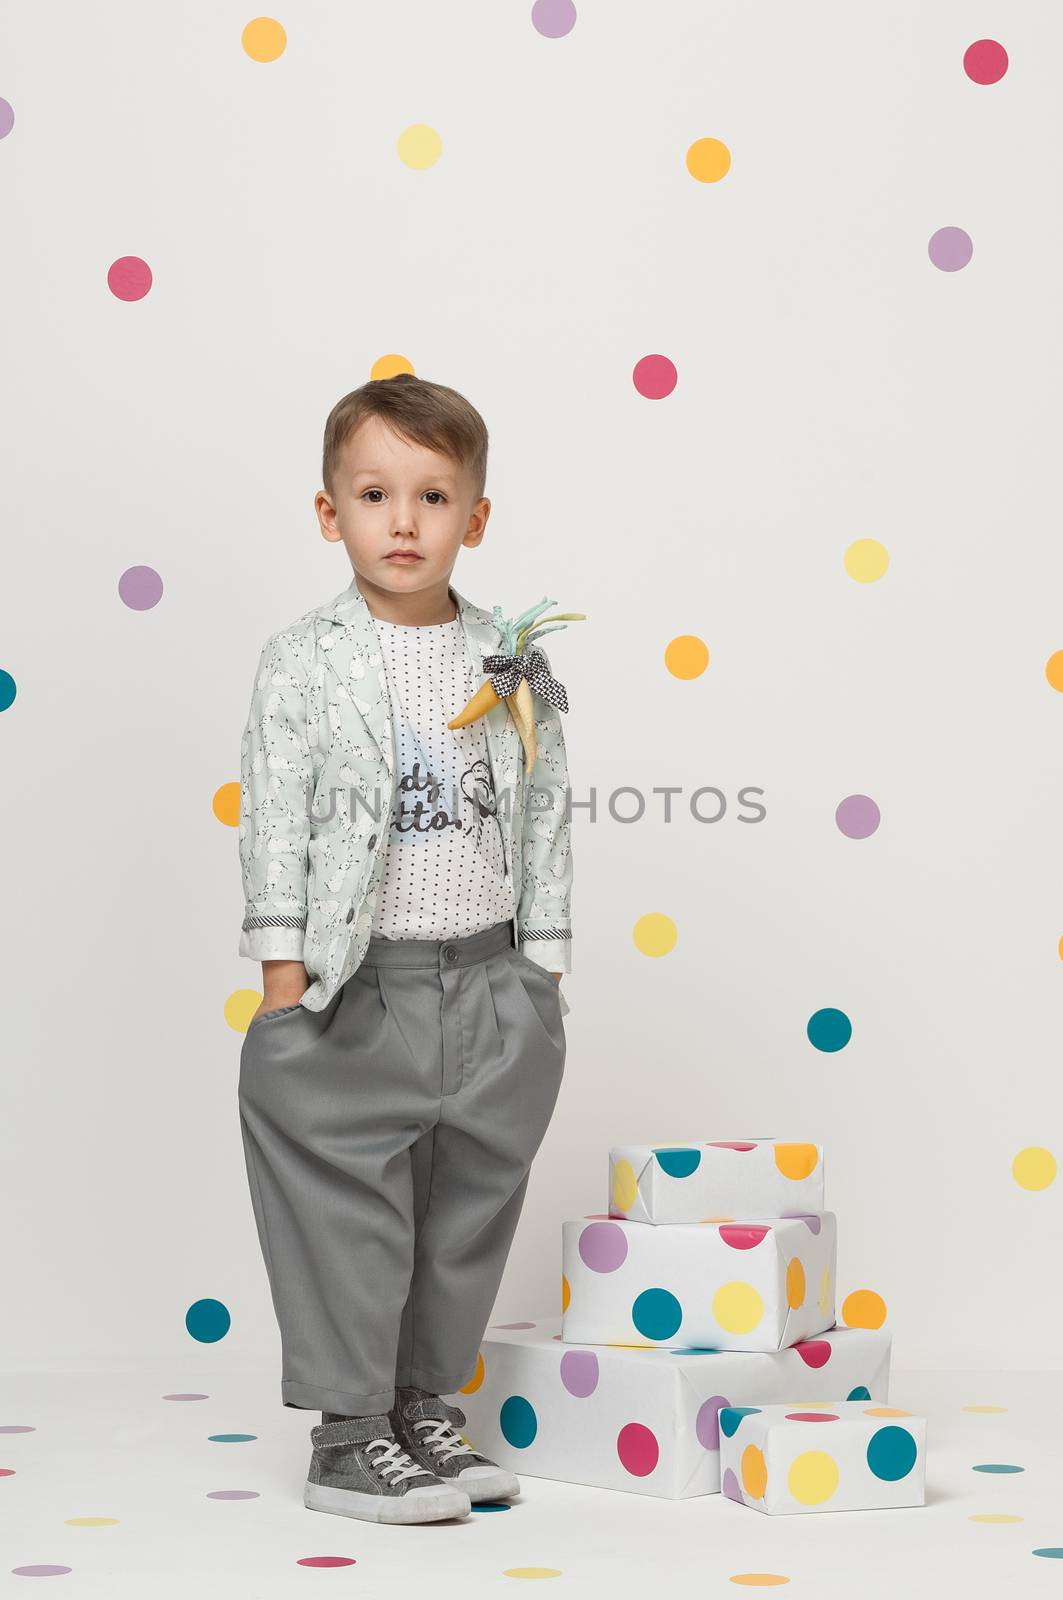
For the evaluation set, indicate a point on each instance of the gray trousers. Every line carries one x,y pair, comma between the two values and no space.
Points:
388,1141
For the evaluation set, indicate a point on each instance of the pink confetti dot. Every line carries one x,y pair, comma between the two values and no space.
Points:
654,377
638,1449
129,278
985,61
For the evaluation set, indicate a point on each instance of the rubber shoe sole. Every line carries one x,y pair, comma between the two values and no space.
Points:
432,1503
487,1483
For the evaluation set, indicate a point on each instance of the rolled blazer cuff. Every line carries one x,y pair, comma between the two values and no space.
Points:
548,944
277,941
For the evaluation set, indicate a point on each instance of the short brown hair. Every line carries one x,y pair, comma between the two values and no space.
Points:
424,413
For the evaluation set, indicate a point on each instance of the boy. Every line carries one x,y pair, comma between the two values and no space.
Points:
408,894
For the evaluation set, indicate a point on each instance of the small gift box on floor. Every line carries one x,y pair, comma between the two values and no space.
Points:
844,1456
734,1286
721,1181
644,1421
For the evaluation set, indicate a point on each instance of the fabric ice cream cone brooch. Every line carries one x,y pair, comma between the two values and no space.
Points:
516,671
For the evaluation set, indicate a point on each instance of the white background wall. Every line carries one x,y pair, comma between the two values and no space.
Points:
833,385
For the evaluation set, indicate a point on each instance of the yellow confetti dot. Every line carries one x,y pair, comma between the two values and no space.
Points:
708,160
824,1292
226,804
984,1410
866,560
686,656
1034,1168
91,1522
387,366
885,1411
795,1285
625,1185
477,1378
264,39
1054,670
531,1572
813,1477
240,1007
796,1160
654,934
737,1307
994,1516
419,146
754,1472
863,1309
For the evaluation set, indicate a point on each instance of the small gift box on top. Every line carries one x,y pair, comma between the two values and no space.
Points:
730,1286
725,1180
822,1456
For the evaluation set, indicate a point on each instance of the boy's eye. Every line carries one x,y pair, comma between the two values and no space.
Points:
437,492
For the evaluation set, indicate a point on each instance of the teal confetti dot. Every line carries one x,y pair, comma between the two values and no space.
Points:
7,689
891,1453
656,1314
518,1421
231,1438
491,1505
997,1466
731,1416
1054,1552
207,1320
859,1393
678,1163
829,1029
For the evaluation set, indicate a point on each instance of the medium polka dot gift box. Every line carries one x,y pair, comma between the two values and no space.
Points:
752,1285
638,1418
850,1455
723,1180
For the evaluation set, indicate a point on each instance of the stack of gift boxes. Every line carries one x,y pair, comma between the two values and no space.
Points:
702,1300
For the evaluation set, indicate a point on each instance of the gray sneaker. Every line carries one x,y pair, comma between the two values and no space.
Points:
359,1469
426,1426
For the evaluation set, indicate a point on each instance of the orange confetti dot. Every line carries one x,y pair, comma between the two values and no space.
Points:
477,1378
686,656
863,1309
795,1284
754,1472
226,804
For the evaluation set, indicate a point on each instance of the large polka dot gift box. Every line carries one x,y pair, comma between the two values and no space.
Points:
756,1285
642,1420
723,1180
850,1455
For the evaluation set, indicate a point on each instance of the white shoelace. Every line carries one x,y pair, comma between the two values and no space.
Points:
444,1441
394,1459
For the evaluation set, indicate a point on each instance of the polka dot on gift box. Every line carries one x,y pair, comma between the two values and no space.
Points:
603,1246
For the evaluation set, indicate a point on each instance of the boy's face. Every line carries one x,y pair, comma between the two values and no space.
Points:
390,495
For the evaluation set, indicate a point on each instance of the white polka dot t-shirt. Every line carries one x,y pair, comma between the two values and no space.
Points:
445,873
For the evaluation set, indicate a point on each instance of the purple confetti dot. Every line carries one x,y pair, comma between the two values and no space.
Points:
140,588
186,1397
232,1494
553,18
579,1372
950,249
7,118
707,1426
41,1570
603,1246
730,1487
809,1218
857,816
16,1427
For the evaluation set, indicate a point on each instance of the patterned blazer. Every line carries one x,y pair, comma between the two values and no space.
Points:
317,775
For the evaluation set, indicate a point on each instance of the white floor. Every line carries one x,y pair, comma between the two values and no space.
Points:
111,1447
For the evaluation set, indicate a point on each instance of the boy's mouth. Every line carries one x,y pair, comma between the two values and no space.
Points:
403,555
